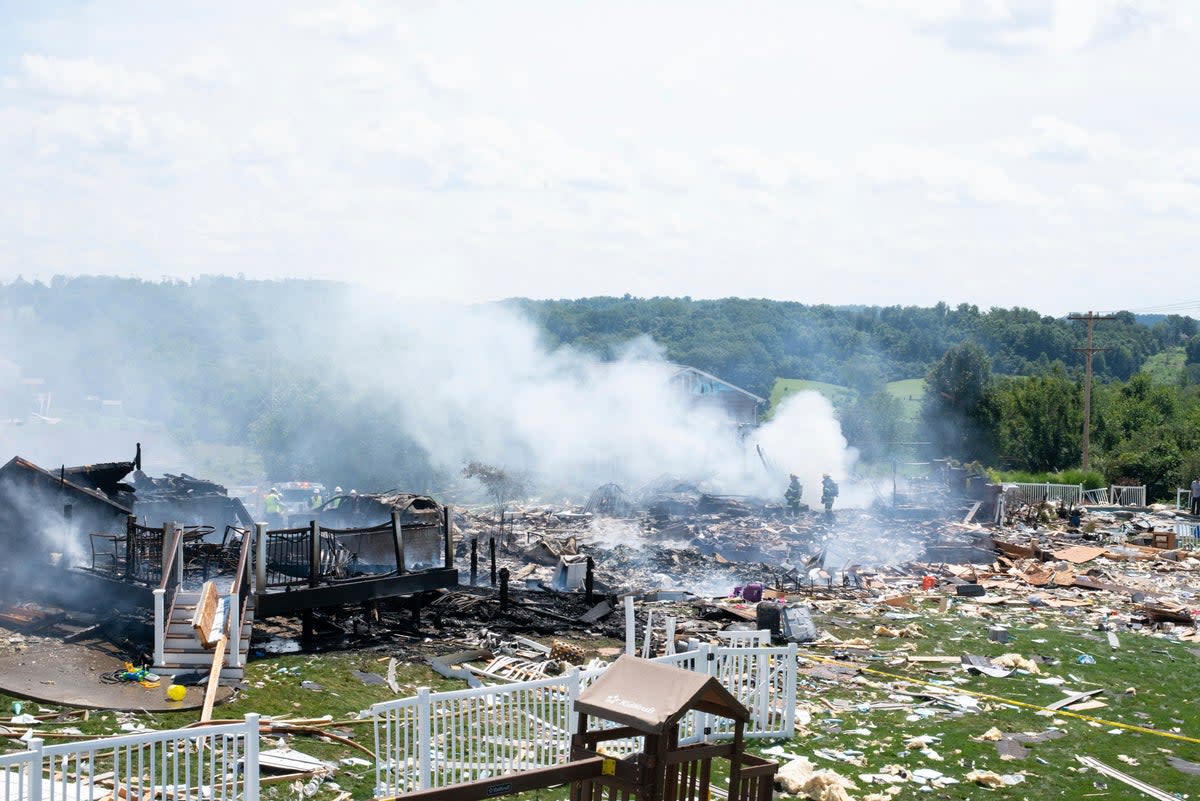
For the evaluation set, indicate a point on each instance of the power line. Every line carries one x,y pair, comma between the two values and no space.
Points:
1165,308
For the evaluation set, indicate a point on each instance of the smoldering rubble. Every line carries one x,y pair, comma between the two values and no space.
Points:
714,564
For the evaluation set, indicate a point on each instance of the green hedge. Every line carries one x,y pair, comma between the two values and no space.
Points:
1090,479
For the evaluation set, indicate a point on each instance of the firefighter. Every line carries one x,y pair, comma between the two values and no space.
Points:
792,496
273,505
336,500
829,491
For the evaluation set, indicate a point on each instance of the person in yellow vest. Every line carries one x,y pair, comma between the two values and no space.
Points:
273,506
315,502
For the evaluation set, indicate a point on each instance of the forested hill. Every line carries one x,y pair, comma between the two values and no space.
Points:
92,331
263,364
751,342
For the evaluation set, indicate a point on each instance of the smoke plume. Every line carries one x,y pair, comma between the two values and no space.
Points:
479,384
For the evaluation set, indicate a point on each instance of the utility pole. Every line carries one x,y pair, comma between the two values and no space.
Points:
1087,380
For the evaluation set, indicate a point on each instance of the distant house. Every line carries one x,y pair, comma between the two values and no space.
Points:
705,389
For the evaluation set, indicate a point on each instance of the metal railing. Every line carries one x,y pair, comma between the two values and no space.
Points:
289,558
144,549
1035,493
1127,496
1186,535
205,763
1096,497
437,739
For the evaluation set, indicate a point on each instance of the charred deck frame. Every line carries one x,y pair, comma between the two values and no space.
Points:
131,584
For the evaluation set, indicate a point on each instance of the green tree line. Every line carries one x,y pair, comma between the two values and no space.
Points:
1143,432
227,360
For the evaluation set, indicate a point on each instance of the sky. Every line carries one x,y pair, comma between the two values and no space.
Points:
995,152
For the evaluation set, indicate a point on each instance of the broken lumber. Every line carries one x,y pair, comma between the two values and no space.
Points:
214,680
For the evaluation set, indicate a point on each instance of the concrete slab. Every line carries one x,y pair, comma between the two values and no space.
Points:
73,675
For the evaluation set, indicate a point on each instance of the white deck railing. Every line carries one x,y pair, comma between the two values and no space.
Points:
1127,496
437,739
205,763
1035,493
20,774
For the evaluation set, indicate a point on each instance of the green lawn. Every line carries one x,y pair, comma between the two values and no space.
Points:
859,712
1149,683
909,392
837,394
273,687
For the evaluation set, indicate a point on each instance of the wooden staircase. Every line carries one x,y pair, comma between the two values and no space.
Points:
182,650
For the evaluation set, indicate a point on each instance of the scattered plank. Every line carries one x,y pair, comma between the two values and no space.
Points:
214,680
1183,765
1125,778
1078,554
1074,699
205,614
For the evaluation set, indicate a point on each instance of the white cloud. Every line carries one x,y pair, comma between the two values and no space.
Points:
352,19
212,69
1053,139
489,152
1185,164
362,72
85,78
754,169
1167,197
945,177
369,148
439,75
1061,26
1093,197
269,141
670,170
74,127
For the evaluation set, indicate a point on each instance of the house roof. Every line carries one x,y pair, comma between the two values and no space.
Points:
18,468
652,697
680,369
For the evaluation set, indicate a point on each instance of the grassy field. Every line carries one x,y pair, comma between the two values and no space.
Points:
862,709
277,686
869,720
908,391
837,394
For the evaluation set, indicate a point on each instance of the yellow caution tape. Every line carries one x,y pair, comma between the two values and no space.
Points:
1001,699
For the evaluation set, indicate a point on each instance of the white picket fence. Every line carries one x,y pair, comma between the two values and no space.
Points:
1127,496
206,763
1021,492
437,739
1035,493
